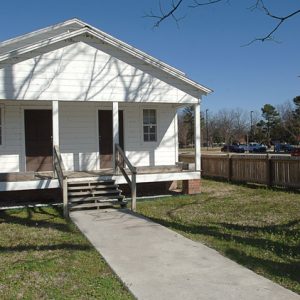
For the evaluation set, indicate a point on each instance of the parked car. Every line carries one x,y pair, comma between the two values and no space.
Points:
257,148
295,152
287,148
243,146
232,148
253,147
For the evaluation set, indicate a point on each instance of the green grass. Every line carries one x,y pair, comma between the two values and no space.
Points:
44,257
257,227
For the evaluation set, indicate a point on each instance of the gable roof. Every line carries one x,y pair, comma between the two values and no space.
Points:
44,38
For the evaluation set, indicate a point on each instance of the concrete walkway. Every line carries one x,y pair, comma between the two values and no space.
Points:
157,263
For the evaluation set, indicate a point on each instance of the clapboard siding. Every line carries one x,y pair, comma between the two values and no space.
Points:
78,136
9,163
80,72
162,152
10,151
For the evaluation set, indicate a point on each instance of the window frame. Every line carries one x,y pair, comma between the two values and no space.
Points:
149,125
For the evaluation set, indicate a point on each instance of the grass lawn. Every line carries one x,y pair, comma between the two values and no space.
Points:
257,227
44,257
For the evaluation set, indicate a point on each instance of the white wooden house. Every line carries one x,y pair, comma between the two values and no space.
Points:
77,88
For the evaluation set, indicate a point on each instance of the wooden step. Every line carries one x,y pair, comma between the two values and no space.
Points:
89,182
97,204
93,192
92,187
97,198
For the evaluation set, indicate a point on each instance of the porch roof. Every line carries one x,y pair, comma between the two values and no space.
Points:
74,30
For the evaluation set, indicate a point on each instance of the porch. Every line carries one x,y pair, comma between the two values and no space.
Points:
86,189
161,173
19,181
85,133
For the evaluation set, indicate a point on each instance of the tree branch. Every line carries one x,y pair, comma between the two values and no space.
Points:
166,15
197,3
281,20
258,4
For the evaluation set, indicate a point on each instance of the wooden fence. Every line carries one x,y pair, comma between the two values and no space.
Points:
271,170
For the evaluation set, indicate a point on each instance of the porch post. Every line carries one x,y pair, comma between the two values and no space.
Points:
197,131
55,123
115,129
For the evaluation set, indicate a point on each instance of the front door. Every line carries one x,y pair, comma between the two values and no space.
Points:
38,140
105,122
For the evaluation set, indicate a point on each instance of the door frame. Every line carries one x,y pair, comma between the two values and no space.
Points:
22,163
98,133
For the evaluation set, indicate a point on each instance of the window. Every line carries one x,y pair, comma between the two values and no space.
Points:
150,125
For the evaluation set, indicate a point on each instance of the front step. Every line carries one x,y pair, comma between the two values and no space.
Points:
105,204
94,194
89,191
100,186
97,198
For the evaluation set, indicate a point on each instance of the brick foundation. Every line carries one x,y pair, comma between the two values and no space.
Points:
191,187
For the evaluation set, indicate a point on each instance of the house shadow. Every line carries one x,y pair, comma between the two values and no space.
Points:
48,219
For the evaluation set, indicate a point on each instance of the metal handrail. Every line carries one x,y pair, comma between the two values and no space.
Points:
59,173
120,164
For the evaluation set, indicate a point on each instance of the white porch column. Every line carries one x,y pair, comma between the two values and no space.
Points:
55,123
115,128
197,131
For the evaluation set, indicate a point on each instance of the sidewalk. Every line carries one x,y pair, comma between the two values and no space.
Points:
157,263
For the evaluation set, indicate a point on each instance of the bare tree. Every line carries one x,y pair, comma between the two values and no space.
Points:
176,9
183,131
290,125
229,125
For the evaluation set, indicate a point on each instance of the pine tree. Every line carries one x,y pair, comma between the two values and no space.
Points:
271,123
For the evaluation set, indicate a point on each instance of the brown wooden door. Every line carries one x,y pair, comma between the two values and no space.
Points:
106,136
38,140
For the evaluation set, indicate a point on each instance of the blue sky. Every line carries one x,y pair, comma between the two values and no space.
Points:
206,46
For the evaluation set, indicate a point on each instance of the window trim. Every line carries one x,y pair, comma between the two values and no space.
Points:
156,125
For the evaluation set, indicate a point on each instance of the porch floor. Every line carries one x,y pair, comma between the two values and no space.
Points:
28,176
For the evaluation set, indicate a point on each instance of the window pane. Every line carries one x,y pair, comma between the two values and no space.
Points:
152,117
149,116
152,137
146,139
152,129
146,117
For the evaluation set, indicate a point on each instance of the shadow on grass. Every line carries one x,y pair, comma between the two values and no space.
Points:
254,185
27,217
280,269
40,217
63,246
284,229
288,269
